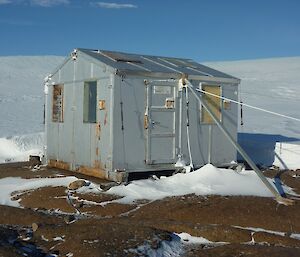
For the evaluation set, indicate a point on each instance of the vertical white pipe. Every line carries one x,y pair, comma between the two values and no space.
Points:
73,117
209,143
180,126
46,90
188,127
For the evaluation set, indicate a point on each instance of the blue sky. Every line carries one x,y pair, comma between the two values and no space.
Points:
204,30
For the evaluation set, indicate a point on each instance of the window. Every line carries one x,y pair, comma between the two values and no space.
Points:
58,103
213,102
90,102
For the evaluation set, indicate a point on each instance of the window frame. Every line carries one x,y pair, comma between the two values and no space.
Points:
58,111
88,102
204,112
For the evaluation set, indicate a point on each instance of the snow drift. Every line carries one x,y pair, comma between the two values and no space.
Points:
18,148
207,180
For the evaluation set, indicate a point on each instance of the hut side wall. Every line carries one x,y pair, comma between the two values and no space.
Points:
130,134
129,137
75,144
221,149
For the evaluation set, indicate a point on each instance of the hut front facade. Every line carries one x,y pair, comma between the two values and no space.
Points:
111,113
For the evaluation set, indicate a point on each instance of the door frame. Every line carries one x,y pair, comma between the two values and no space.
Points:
148,120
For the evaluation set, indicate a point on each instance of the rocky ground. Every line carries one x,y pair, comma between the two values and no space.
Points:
47,225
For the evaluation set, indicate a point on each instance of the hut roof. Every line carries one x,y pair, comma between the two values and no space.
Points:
137,63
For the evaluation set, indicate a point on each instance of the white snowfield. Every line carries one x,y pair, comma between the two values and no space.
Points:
21,94
287,155
272,84
18,148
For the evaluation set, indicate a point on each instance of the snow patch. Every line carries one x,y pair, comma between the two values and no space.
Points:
15,184
172,248
207,180
58,238
175,247
278,233
188,239
295,236
92,188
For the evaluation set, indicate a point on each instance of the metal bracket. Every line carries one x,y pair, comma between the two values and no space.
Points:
121,74
182,82
74,54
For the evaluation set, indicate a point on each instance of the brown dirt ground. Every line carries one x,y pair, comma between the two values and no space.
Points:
113,229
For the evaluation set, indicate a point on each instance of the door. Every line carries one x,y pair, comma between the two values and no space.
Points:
160,122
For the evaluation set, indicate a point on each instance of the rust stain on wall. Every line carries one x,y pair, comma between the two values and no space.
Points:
97,171
94,172
146,121
98,164
105,119
98,130
59,164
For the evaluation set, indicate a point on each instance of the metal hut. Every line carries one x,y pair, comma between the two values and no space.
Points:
109,114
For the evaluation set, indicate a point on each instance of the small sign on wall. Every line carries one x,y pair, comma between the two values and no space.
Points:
162,90
101,104
169,103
